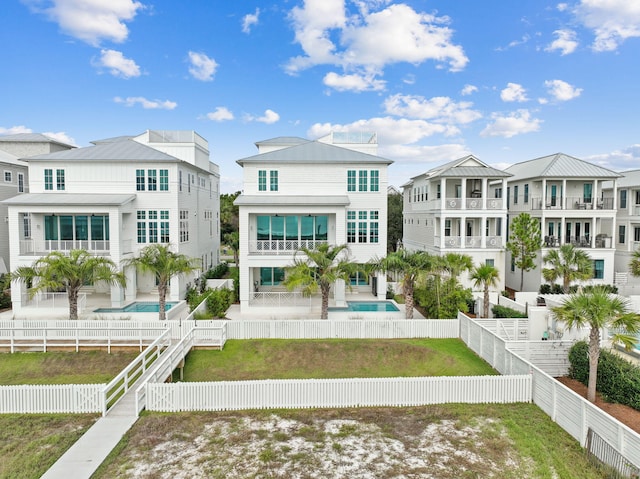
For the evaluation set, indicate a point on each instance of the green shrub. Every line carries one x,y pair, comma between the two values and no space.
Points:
550,289
218,272
506,312
218,302
618,379
442,299
234,274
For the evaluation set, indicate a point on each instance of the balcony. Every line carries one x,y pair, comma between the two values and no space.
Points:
31,247
566,203
455,242
600,241
281,247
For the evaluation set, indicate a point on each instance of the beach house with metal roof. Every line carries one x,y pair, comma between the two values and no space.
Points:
568,197
116,197
453,208
300,193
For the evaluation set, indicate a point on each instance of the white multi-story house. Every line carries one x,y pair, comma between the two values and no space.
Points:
15,176
456,208
115,198
300,193
568,196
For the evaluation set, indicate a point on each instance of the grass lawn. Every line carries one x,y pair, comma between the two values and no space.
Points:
85,367
31,443
446,441
334,358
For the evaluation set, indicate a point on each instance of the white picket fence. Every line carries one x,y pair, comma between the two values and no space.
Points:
572,412
330,393
60,398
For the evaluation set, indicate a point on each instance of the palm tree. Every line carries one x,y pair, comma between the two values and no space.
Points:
70,271
412,265
164,264
456,264
634,264
485,276
597,309
568,263
320,268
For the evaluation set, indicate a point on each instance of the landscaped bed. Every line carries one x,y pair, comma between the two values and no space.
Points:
334,358
452,441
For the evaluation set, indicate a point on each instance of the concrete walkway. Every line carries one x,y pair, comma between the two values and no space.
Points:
83,458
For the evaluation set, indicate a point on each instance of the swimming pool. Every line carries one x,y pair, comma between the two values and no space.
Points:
138,307
368,306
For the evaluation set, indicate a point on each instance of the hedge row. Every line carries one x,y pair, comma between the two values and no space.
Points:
618,380
506,312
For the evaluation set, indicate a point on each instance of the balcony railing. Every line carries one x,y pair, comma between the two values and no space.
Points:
600,241
44,247
454,242
282,247
566,203
275,299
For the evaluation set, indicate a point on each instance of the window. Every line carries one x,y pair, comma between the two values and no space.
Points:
26,225
179,180
48,179
351,226
513,264
438,188
598,269
489,262
526,193
164,180
362,226
623,199
498,226
351,180
20,183
373,227
621,234
515,195
184,226
60,179
508,197
636,234
188,182
362,180
152,181
8,177
140,180
637,197
586,192
271,276
273,180
375,180
262,180
153,226
498,193
142,226
447,227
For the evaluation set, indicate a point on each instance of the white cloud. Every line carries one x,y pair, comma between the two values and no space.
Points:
515,43
370,40
269,117
146,104
440,109
562,7
91,21
221,113
513,124
565,42
61,136
514,92
202,67
627,158
355,82
612,21
249,20
14,130
117,64
468,90
561,90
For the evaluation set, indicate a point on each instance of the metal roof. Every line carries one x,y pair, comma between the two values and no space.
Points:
559,165
112,140
468,166
629,178
291,200
124,150
31,138
74,199
10,159
314,152
283,140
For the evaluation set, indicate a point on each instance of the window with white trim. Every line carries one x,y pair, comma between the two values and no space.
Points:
20,182
184,226
8,177
149,229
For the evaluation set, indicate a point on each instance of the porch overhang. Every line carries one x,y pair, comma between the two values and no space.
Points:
69,199
292,200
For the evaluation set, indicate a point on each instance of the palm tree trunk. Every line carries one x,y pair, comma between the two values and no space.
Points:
594,355
162,300
408,301
324,312
485,301
566,284
73,303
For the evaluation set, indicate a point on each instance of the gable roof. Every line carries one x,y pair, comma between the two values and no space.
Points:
123,150
559,165
10,159
74,199
32,138
468,166
282,140
313,152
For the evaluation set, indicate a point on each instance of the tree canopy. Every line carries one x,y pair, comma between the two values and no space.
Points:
525,240
569,264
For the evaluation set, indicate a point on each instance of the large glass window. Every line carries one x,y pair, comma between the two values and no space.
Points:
48,179
51,227
263,224
362,227
362,180
99,228
140,180
164,180
66,227
271,276
164,226
373,227
623,199
60,185
351,180
142,226
152,180
184,226
277,228
273,180
262,180
587,190
375,180
598,269
82,227
351,226
291,227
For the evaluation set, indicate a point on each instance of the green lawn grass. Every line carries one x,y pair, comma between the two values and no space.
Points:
84,367
334,358
31,443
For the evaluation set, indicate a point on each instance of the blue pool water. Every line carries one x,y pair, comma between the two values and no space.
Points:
137,307
368,306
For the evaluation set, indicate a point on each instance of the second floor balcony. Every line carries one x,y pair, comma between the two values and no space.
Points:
563,203
33,247
281,247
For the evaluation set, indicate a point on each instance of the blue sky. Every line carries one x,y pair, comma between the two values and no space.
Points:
504,80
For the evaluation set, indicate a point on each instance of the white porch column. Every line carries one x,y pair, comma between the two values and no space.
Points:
594,199
543,206
339,293
174,288
483,232
131,277
485,192
615,196
463,231
382,285
117,296
463,194
443,193
565,204
442,224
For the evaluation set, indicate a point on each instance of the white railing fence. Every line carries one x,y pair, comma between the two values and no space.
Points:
327,393
53,399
